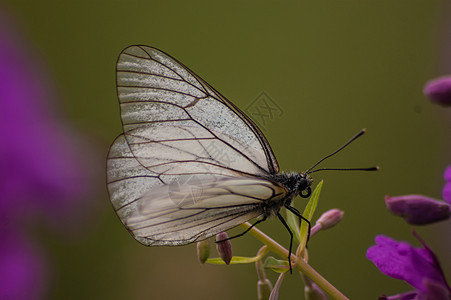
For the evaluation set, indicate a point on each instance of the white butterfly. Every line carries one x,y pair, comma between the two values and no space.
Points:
189,164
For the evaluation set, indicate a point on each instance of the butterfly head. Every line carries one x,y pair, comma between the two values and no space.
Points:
304,181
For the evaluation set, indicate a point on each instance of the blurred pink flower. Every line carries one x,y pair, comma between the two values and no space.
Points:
40,166
43,170
438,90
22,269
447,188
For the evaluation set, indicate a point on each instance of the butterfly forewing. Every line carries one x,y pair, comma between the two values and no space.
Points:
157,92
177,129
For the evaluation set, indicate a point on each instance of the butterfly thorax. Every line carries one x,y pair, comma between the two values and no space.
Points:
295,183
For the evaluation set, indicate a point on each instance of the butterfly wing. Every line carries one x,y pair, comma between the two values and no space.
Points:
192,210
167,109
177,126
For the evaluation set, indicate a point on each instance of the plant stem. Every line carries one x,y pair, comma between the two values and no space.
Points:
301,265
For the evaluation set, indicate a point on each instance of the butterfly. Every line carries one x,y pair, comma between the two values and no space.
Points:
189,163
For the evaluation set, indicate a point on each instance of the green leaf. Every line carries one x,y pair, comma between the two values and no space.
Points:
308,213
238,259
235,260
277,265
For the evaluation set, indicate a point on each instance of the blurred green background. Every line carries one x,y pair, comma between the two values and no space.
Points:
334,67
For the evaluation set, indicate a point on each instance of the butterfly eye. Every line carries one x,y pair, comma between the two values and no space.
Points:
304,187
306,193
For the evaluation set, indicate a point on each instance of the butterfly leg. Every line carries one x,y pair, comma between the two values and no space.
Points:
301,217
291,239
246,231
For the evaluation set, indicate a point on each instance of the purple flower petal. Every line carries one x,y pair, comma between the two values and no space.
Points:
447,188
436,291
418,209
42,168
402,261
22,273
439,90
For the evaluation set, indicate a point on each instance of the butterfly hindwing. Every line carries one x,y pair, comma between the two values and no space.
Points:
193,209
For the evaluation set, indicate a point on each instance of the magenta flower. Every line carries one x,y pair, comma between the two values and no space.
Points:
41,168
422,210
439,90
22,269
418,209
419,267
447,188
43,171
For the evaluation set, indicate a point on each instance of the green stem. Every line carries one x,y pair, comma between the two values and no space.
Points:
301,265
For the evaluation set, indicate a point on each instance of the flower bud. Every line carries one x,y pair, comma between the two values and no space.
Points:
203,250
275,291
439,90
330,218
313,292
418,209
447,188
260,267
264,288
224,247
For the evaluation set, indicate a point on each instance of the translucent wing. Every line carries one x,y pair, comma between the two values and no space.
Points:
177,126
193,210
175,123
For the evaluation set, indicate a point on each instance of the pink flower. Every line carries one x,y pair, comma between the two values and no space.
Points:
419,267
439,90
43,171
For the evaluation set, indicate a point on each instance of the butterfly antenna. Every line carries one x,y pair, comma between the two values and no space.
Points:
361,132
376,168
